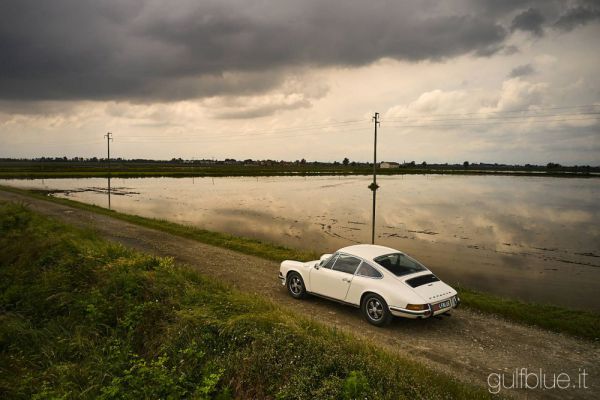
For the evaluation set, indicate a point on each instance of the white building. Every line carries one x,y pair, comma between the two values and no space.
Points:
389,164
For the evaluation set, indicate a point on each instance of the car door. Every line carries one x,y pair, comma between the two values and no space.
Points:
335,277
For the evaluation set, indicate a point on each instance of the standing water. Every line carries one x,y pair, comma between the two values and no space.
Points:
535,238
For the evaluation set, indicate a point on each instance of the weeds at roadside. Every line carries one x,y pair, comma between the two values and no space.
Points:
83,318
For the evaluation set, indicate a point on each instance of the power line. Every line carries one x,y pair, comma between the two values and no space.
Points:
242,137
60,144
492,118
255,133
252,135
495,123
513,111
277,130
587,112
273,134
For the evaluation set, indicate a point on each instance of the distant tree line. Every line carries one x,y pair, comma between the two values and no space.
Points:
344,163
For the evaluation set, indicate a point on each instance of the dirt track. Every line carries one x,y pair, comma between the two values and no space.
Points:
468,345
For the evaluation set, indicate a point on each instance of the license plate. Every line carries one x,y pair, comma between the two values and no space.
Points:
443,304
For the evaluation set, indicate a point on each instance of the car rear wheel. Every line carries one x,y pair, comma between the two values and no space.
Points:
295,285
375,310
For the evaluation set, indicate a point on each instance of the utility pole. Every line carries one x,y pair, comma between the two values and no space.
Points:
108,137
373,186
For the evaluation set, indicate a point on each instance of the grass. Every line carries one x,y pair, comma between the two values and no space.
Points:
558,319
84,318
554,318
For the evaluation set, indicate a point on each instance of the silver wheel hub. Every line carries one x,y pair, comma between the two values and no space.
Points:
374,309
296,285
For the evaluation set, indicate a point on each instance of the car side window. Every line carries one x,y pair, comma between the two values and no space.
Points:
347,264
330,262
368,271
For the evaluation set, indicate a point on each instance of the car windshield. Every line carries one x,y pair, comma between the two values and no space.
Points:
399,264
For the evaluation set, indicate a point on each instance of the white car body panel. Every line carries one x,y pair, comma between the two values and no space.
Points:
330,283
434,292
350,288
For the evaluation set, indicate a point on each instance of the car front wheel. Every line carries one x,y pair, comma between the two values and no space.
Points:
375,310
295,285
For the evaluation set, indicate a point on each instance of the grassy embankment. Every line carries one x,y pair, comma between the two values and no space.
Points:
33,170
83,318
558,319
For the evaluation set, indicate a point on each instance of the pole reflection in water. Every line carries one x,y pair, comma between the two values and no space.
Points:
108,191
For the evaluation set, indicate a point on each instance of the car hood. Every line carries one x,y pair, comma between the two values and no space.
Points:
433,291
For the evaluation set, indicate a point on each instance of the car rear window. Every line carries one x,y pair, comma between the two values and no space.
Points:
422,280
399,264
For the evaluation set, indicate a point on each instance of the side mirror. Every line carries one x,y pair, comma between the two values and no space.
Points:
324,258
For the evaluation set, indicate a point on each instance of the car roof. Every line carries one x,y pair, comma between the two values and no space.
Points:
368,251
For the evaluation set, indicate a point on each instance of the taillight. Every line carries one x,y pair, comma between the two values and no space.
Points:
416,307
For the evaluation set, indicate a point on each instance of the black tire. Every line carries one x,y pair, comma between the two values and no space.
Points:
375,310
295,285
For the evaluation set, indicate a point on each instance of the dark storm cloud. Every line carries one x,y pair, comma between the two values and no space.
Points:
579,15
144,50
534,16
74,49
521,70
530,20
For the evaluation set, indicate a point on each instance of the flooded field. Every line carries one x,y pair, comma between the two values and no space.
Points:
534,238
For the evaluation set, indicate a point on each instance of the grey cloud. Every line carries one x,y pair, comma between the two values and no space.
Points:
580,15
530,20
535,15
510,50
258,112
506,10
146,50
521,70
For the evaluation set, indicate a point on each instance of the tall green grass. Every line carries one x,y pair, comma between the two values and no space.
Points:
558,319
83,318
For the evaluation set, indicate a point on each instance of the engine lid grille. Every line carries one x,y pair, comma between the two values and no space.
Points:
422,280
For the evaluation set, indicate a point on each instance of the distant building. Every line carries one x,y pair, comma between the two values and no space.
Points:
389,164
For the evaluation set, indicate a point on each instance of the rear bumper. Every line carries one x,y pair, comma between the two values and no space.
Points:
403,312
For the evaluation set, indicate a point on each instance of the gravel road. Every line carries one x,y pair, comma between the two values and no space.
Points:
468,345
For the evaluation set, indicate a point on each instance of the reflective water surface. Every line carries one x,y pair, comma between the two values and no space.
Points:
530,237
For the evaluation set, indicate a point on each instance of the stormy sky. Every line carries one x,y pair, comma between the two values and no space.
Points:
492,81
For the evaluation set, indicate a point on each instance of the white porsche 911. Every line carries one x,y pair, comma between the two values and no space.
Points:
381,281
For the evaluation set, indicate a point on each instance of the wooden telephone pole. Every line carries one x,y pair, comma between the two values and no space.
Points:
373,186
108,137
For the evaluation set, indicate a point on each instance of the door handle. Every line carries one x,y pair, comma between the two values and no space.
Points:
346,280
